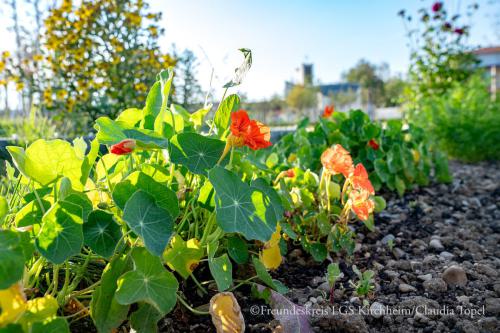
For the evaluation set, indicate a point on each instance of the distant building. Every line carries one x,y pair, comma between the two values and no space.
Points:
490,60
345,96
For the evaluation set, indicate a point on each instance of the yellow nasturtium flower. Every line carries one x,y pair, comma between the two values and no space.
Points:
38,57
19,86
12,304
271,255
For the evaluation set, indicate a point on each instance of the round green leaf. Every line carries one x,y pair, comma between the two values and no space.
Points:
164,196
241,208
149,282
61,234
197,152
151,222
101,233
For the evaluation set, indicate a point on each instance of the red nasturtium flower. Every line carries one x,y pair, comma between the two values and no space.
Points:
329,110
337,160
247,132
372,143
459,31
361,204
123,147
436,7
290,173
360,181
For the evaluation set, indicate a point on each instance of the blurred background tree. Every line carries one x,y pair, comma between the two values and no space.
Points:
372,85
302,97
102,56
187,88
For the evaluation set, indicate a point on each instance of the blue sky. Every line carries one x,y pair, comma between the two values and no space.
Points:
282,34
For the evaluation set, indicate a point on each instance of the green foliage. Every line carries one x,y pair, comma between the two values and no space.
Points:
464,121
397,156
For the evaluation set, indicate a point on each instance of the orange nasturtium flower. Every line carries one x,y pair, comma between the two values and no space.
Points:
337,160
360,181
361,204
329,110
247,132
123,147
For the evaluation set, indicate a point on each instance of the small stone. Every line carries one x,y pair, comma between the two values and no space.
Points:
319,299
388,238
325,286
377,309
354,299
436,244
446,256
425,277
420,317
391,274
486,270
488,324
406,288
295,254
313,300
436,285
455,275
463,299
317,280
492,305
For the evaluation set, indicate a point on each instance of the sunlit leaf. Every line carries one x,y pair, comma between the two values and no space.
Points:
61,235
197,152
183,257
111,132
12,304
46,161
223,113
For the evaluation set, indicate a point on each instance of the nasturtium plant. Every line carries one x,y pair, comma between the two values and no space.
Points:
182,201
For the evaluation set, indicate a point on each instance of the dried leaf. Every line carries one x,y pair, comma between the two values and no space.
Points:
226,313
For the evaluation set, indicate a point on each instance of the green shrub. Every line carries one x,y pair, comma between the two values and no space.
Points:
465,121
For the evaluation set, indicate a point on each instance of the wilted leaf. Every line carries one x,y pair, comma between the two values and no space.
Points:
183,257
12,304
226,313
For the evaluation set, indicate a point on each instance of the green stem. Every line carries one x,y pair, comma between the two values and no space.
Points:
242,282
55,279
187,306
203,290
208,228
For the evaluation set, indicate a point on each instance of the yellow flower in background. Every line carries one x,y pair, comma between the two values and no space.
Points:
5,54
61,94
2,66
153,30
19,86
3,82
12,304
38,57
271,254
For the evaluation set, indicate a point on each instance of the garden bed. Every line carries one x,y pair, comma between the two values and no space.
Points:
434,228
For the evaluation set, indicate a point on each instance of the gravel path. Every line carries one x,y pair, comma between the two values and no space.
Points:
441,273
